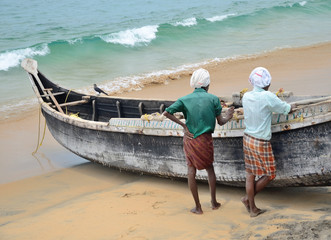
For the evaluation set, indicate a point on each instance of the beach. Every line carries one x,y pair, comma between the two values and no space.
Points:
57,195
302,70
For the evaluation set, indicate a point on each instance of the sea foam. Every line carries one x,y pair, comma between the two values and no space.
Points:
187,22
134,36
220,18
138,82
303,3
76,40
13,58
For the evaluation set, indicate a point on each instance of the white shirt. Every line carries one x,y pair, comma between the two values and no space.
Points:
258,108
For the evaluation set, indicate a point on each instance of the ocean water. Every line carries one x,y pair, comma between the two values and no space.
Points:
117,43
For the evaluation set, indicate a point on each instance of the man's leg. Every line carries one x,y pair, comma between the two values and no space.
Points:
259,185
250,191
212,187
194,189
262,183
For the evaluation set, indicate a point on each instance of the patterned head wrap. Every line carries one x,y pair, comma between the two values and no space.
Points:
260,77
200,78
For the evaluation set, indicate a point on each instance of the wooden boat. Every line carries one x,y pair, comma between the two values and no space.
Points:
118,133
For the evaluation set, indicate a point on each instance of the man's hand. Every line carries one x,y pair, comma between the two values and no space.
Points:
187,133
223,120
176,120
293,106
229,113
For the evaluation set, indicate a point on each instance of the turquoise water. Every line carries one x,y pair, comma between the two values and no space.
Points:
116,43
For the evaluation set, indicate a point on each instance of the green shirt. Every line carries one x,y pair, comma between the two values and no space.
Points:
200,110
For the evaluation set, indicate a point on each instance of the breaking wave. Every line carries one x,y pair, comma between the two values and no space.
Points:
132,37
13,58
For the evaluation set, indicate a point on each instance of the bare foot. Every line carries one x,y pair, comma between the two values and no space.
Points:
215,205
197,210
246,203
257,212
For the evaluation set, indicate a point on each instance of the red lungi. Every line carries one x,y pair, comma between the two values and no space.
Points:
259,158
199,151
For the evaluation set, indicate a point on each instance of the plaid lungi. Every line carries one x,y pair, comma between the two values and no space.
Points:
199,152
259,158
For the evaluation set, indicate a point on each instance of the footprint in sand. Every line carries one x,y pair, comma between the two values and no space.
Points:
157,204
133,228
127,195
131,213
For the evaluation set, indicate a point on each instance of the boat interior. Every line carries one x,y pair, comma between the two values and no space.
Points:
94,108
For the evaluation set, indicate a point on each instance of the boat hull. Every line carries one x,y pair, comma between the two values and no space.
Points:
302,155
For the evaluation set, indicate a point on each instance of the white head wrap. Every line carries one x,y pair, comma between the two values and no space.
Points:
200,78
260,77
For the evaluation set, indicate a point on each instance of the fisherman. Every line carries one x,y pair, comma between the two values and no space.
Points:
258,105
200,110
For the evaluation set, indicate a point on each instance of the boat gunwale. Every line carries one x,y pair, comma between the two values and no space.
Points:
177,130
220,131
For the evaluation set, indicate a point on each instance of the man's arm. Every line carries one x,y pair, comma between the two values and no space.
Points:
229,114
176,120
279,106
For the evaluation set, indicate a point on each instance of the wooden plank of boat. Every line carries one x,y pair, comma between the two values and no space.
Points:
311,101
85,99
49,93
54,94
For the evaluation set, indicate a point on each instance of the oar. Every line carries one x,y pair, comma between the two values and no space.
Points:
311,101
31,66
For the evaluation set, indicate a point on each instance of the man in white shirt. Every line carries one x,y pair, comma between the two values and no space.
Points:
259,104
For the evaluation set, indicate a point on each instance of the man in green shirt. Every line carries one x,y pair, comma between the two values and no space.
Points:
201,110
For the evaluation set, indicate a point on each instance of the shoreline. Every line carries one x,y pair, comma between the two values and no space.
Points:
291,68
19,138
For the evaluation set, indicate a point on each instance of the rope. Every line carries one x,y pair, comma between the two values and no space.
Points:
154,116
235,116
242,92
66,100
39,144
280,93
145,117
75,115
297,119
44,132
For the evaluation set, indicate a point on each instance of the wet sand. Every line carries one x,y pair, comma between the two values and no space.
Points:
57,195
93,202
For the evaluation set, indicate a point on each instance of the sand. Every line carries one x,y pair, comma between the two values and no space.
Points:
57,195
303,71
